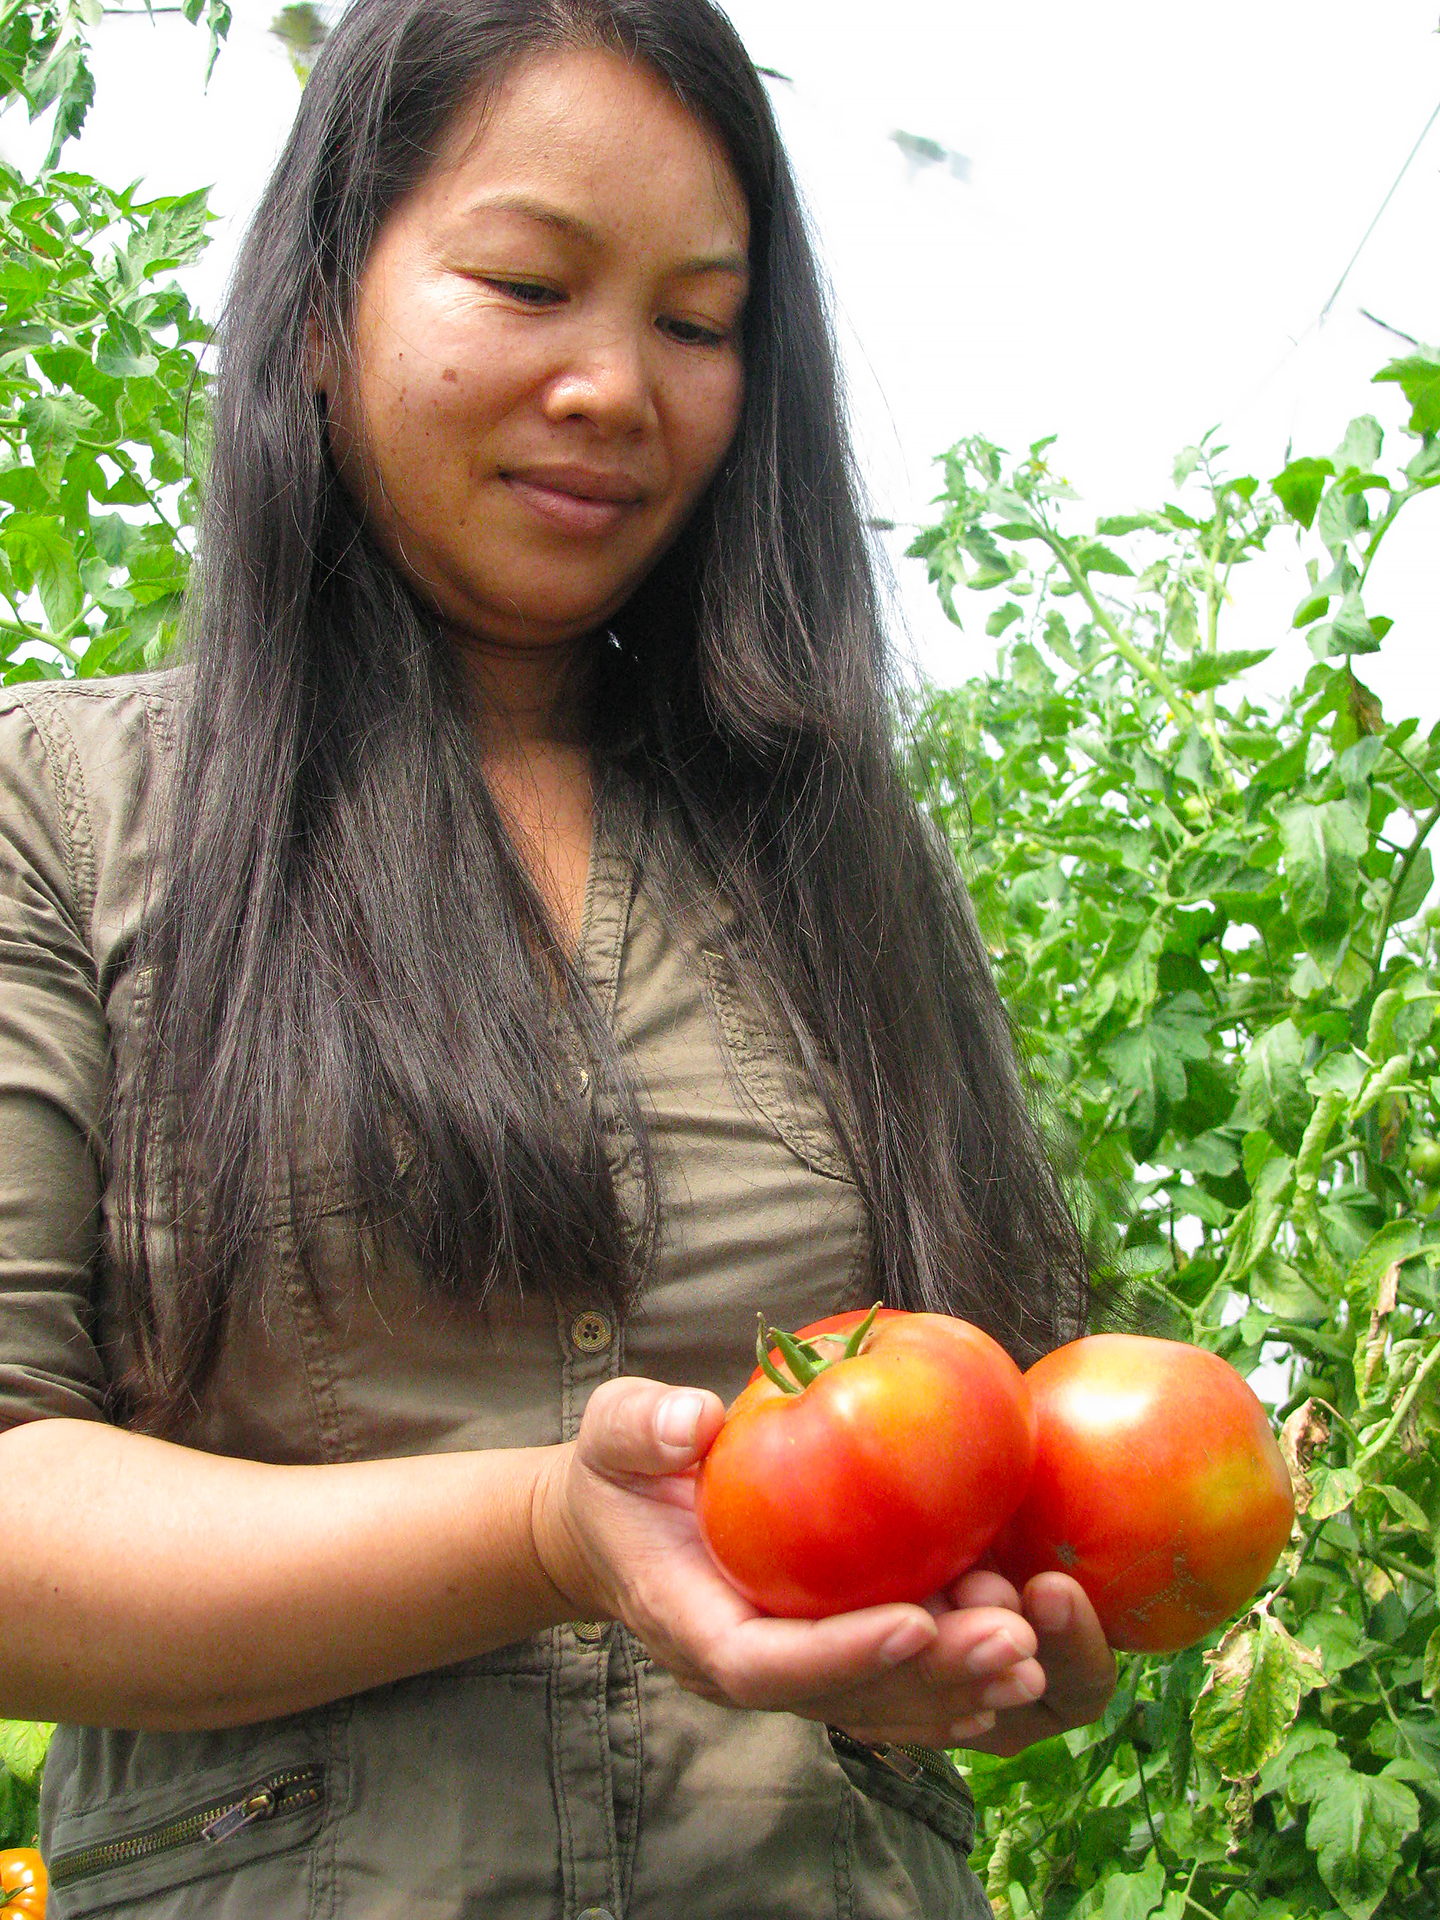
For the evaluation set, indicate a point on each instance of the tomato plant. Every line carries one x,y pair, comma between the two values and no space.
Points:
1158,1486
23,1884
878,1467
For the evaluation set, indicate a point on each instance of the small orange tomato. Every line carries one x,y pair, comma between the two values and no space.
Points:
24,1884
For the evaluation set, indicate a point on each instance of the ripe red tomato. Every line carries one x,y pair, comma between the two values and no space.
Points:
1158,1486
883,1478
24,1883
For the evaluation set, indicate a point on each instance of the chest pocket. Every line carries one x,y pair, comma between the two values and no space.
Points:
771,1076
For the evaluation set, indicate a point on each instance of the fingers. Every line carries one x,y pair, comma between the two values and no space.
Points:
642,1428
1079,1666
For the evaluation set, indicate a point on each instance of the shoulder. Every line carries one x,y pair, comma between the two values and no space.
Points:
84,770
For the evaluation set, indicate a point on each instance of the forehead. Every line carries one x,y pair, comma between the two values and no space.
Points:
603,135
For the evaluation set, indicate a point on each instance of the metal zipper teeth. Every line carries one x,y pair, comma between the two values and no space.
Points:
935,1765
287,1793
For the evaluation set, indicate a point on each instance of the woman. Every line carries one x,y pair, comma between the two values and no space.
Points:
443,1012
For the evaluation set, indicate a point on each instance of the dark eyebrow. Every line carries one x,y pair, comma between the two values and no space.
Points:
575,228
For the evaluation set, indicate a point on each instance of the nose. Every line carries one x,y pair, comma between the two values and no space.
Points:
605,378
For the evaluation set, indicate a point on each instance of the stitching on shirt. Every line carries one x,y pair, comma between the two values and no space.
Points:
763,1076
842,1850
72,814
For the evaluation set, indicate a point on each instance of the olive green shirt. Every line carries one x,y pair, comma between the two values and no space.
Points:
567,1775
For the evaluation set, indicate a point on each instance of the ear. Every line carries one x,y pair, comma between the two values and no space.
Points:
321,358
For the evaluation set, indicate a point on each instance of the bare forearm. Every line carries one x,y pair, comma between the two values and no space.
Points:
171,1589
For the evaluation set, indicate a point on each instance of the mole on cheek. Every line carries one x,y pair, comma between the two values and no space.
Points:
450,374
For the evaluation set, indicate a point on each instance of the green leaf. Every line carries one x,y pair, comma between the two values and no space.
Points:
42,556
1251,1696
1322,849
1335,1489
1430,1684
1356,1827
1002,618
23,1745
1399,1502
1255,1226
1361,446
1418,376
1272,1080
1214,669
1126,1896
1416,889
1300,486
53,423
1093,556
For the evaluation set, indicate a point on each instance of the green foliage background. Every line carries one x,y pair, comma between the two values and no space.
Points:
1207,913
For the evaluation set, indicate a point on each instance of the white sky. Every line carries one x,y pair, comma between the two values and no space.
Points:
1160,200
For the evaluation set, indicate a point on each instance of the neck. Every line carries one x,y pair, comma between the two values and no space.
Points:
528,697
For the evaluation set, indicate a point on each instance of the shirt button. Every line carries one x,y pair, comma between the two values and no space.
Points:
590,1331
594,1913
590,1631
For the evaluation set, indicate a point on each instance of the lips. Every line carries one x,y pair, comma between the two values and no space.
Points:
575,500
580,483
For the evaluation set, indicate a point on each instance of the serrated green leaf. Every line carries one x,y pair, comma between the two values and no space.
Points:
1356,1827
23,1745
1214,669
1002,618
41,556
1430,1683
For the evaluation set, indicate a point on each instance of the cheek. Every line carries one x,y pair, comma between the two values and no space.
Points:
712,416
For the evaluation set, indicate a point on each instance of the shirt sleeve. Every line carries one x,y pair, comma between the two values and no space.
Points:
53,1078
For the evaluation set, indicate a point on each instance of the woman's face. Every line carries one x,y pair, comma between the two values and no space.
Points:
546,368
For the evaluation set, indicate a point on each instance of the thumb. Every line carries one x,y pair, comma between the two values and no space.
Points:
644,1427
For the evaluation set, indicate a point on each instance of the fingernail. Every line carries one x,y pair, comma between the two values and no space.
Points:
1001,1693
905,1642
677,1417
993,1655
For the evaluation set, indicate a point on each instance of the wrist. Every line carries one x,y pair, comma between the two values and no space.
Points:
557,1554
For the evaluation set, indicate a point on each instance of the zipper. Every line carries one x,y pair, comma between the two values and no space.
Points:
270,1799
909,1761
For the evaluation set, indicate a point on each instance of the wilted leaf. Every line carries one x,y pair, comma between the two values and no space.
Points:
1332,1490
1301,1438
1251,1695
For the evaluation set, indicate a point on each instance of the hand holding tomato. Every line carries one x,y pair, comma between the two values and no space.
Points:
616,1532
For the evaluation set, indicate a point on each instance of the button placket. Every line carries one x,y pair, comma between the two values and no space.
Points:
590,1343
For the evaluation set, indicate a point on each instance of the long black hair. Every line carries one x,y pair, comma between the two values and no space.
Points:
346,953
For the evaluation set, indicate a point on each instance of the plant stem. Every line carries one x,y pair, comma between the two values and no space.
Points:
1406,1400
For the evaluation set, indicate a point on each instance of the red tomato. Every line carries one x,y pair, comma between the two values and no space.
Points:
884,1478
24,1883
1158,1486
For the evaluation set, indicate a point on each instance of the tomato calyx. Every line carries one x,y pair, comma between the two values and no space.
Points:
803,1357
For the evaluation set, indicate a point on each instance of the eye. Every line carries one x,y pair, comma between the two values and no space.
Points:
694,333
529,293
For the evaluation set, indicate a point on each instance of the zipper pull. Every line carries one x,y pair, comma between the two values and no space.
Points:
255,1806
